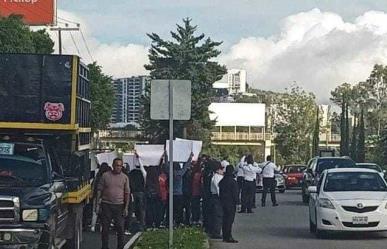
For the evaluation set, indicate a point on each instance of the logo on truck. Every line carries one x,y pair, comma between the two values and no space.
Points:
54,111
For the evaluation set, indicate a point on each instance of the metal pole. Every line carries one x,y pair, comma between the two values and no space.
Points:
60,40
170,164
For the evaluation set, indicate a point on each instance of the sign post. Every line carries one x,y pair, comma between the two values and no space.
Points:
171,100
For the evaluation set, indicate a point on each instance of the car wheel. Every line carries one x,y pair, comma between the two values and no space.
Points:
312,227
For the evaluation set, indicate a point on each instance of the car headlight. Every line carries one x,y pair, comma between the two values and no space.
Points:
325,203
30,215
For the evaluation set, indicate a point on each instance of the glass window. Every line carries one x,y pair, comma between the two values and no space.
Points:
354,181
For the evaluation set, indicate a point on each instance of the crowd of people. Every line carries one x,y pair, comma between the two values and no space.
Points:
206,192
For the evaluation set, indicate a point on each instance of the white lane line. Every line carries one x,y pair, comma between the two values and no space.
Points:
132,240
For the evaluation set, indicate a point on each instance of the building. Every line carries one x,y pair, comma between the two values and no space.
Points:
234,81
128,92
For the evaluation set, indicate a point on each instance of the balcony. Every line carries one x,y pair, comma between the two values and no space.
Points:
240,136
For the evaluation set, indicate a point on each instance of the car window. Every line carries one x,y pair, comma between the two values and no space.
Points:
331,163
354,181
295,169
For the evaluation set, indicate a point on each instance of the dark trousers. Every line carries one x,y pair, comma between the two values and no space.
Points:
216,215
228,220
240,180
152,216
112,212
195,205
163,213
248,193
178,209
269,185
187,209
206,211
139,207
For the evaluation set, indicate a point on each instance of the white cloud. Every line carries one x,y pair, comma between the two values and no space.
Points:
117,60
316,49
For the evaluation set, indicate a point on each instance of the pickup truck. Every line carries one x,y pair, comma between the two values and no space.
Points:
44,150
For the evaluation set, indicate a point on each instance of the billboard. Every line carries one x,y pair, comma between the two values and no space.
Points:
238,114
34,12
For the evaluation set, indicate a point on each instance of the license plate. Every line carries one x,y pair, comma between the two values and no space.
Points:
6,149
360,220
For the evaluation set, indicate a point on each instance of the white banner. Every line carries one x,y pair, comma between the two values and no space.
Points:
106,157
196,147
150,154
130,159
181,150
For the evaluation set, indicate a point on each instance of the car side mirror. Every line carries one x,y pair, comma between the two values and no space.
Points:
312,189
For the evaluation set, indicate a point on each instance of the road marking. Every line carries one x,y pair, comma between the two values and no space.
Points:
132,240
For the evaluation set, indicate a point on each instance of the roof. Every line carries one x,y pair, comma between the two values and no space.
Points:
343,170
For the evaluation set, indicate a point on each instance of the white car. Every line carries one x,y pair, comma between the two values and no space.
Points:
348,199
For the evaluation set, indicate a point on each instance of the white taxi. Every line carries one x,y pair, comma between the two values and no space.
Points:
348,199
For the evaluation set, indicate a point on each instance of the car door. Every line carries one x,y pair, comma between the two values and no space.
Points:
313,200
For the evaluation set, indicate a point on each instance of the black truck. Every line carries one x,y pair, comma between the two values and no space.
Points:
44,150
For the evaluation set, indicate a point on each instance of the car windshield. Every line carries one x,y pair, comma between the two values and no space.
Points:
331,163
22,164
295,169
354,181
369,166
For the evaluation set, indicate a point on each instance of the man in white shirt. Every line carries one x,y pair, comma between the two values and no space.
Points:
250,169
240,178
268,174
216,206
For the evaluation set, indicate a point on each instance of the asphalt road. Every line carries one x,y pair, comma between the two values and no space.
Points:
92,240
287,227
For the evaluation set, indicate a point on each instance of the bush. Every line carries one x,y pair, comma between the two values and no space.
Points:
184,238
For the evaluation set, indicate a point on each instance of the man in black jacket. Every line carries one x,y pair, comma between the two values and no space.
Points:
228,193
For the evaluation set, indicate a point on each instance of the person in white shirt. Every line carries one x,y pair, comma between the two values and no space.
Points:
268,175
216,215
240,178
250,169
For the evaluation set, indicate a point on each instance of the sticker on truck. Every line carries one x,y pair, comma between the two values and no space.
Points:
6,148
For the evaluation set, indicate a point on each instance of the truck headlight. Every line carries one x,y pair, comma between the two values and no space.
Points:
325,203
30,215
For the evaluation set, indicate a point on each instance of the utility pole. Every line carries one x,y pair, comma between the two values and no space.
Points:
60,29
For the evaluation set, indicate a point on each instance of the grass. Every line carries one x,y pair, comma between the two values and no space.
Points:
184,238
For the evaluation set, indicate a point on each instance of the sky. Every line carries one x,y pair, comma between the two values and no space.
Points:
316,44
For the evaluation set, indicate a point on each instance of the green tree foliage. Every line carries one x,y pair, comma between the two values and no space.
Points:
187,57
16,37
102,97
361,142
296,115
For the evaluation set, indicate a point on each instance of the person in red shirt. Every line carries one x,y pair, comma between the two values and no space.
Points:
163,186
196,192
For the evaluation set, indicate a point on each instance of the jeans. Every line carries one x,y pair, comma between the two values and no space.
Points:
178,209
269,185
249,189
195,205
139,207
187,209
112,212
152,216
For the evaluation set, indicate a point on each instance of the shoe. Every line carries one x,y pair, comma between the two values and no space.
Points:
216,237
230,241
275,204
242,212
250,212
92,229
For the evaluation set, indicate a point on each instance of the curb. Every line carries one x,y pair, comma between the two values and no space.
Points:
133,240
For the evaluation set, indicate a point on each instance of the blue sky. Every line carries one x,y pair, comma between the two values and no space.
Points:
317,43
228,20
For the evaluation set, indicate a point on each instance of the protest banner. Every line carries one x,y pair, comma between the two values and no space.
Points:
181,150
106,157
150,154
196,147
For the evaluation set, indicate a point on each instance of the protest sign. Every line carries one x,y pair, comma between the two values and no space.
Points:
181,150
106,157
196,147
130,159
150,154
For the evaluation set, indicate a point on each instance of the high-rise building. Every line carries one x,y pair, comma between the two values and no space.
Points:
128,92
234,81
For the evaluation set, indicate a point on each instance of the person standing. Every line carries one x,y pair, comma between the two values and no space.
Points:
137,177
164,193
269,184
187,196
216,213
196,192
240,178
207,174
113,198
102,169
250,170
152,193
228,193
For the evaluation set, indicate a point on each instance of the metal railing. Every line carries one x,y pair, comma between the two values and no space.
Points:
240,136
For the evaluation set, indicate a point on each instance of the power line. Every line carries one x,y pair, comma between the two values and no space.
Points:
87,47
75,44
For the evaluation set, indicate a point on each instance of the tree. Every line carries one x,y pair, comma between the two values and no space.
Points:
102,97
188,57
354,140
316,133
361,142
296,112
16,37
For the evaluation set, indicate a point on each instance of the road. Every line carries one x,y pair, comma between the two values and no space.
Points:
287,227
93,240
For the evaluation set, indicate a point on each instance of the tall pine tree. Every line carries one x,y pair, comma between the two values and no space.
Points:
186,57
316,133
361,142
